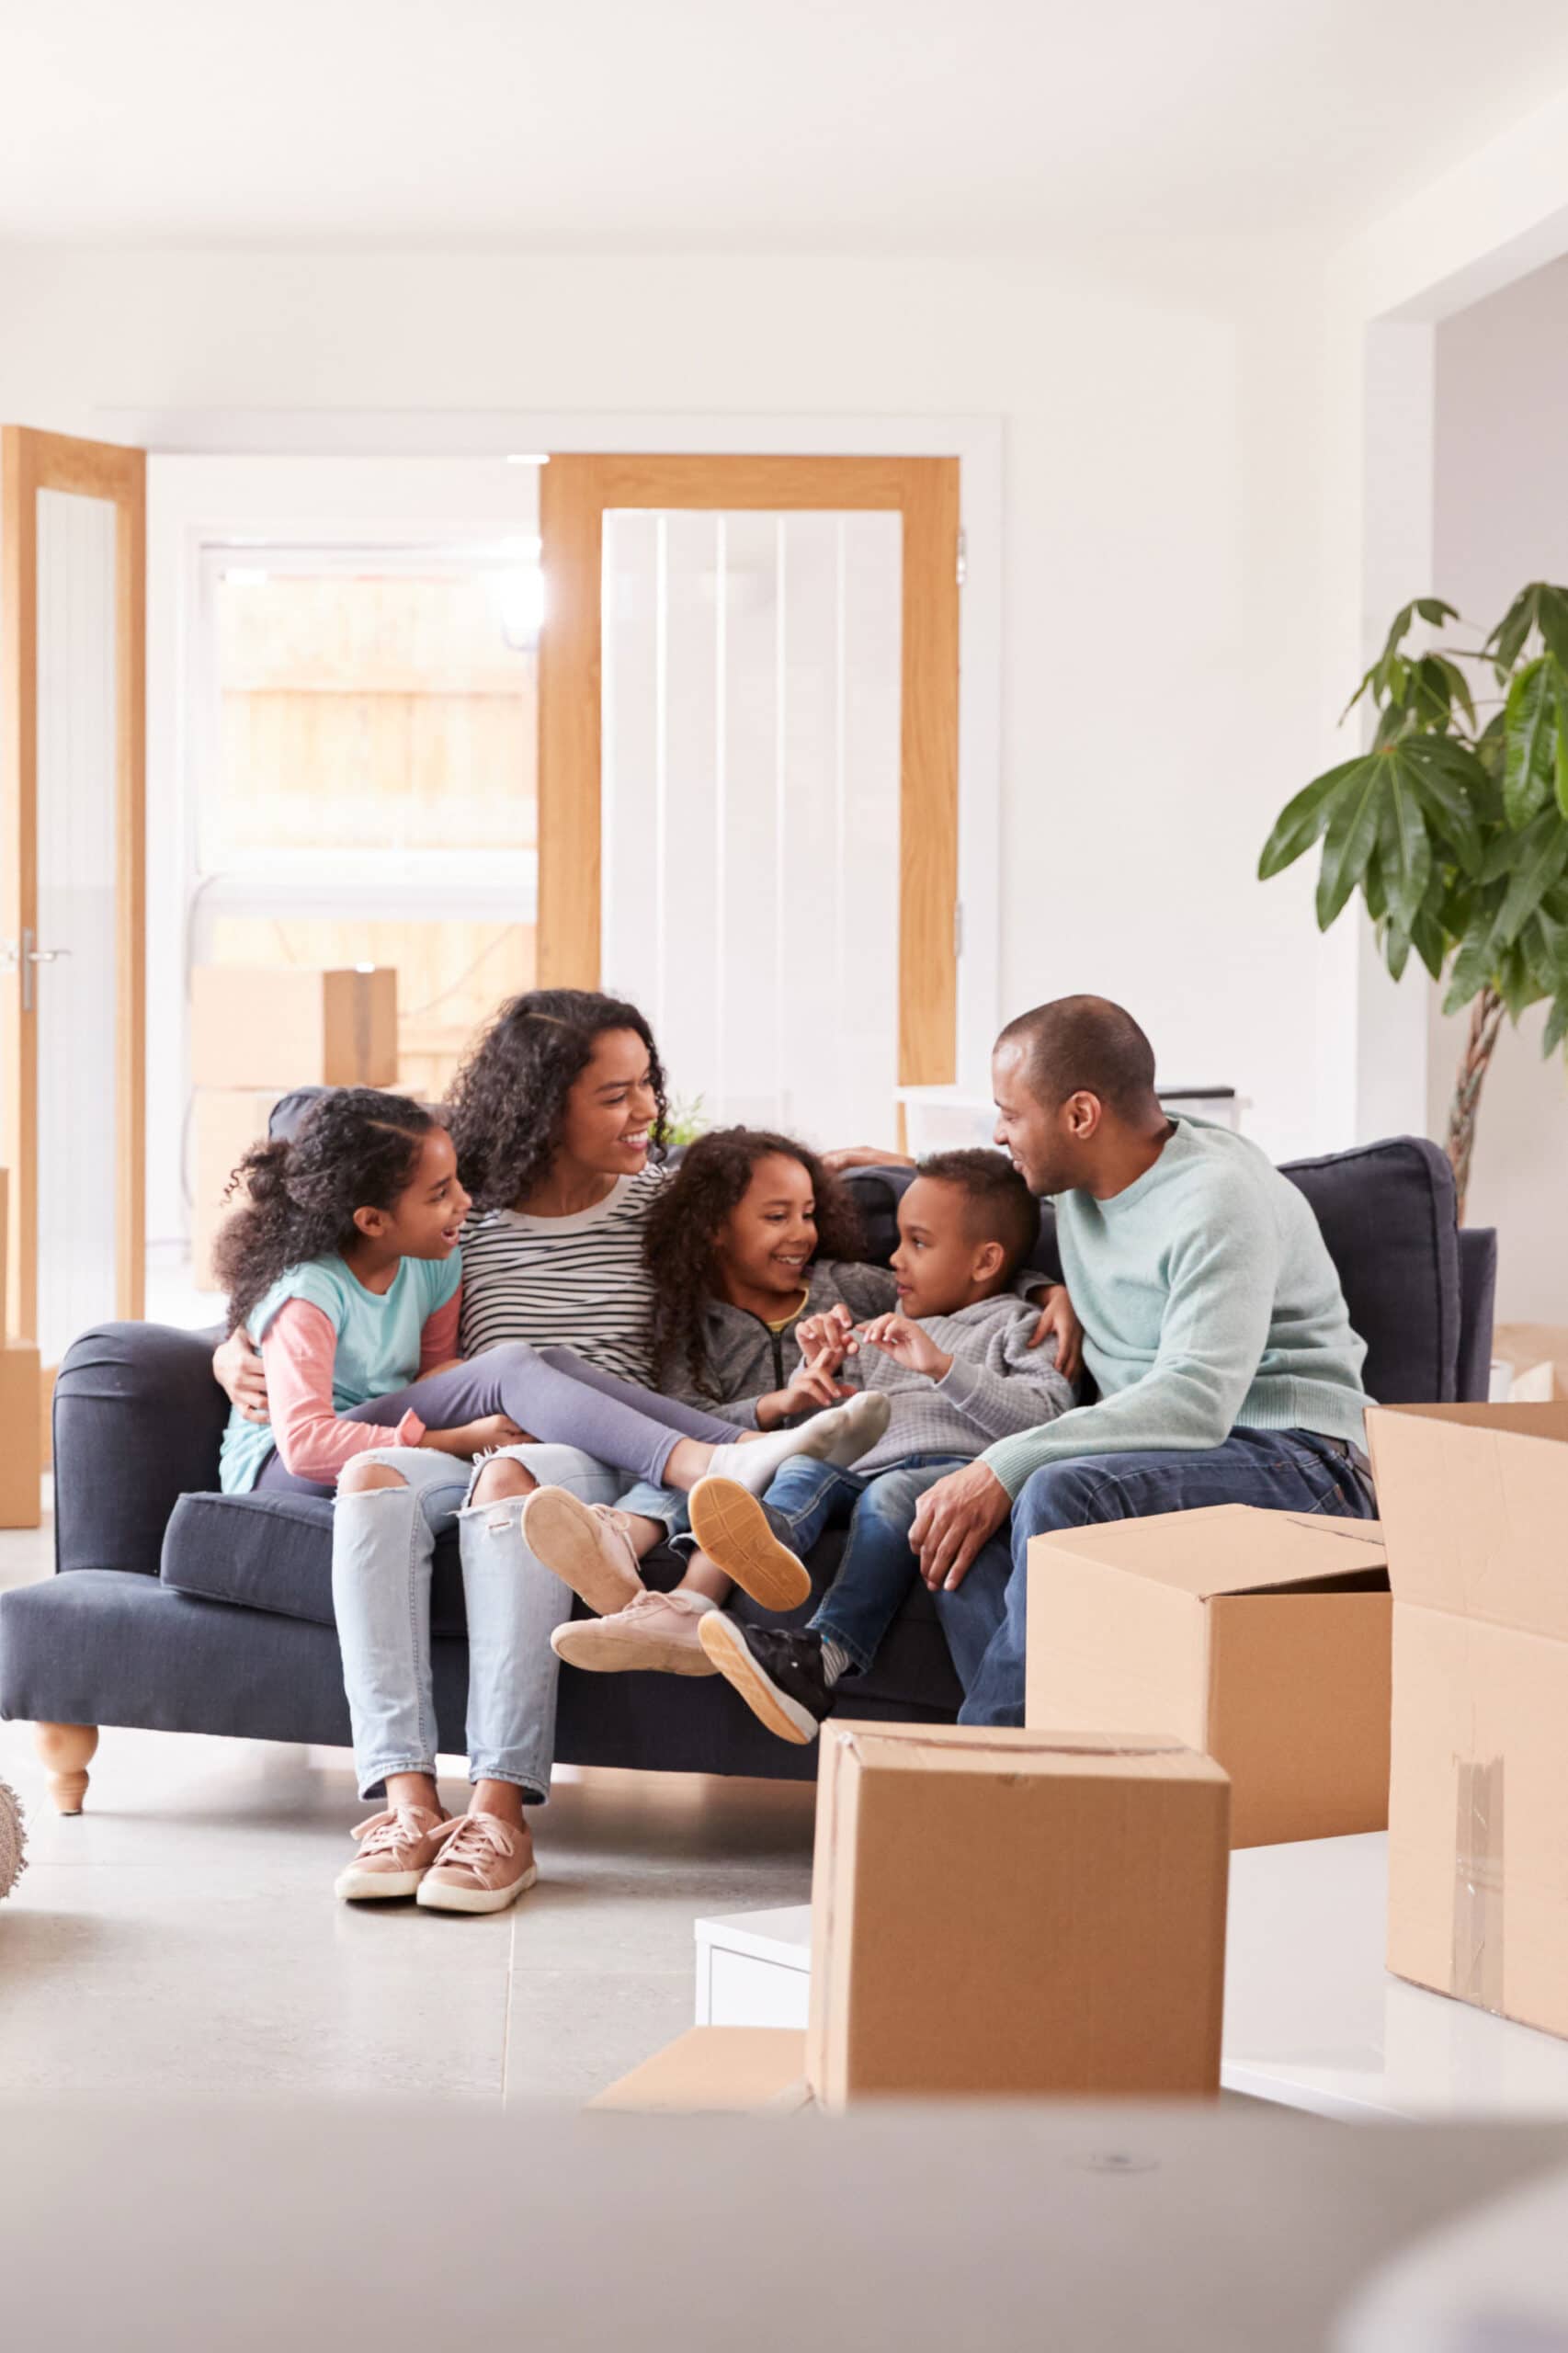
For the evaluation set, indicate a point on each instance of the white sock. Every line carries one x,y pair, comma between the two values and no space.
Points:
859,1424
753,1466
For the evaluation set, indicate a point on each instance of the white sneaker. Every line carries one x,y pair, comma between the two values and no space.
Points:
657,1631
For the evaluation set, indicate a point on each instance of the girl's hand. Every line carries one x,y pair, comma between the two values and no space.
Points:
907,1343
1059,1321
826,1340
477,1438
238,1371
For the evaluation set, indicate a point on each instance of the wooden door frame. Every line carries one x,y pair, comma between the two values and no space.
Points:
575,492
31,461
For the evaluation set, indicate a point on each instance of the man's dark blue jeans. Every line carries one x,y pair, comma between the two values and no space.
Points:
984,1620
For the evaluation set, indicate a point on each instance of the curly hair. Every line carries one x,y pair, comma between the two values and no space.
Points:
507,1108
355,1149
681,1239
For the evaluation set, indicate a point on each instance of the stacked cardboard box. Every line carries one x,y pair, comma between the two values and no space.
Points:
1259,1637
255,1033
21,1403
1474,1502
1537,1357
994,1911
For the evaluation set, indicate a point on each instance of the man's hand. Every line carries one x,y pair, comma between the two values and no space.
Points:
907,1343
238,1369
953,1519
865,1156
1059,1322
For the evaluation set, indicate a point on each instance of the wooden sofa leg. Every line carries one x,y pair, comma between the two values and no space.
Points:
67,1751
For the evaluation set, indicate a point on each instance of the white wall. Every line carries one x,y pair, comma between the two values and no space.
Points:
1159,671
1501,519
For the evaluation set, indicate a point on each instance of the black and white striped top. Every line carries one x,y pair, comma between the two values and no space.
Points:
577,1282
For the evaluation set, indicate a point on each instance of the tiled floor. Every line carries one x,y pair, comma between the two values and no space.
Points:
181,1933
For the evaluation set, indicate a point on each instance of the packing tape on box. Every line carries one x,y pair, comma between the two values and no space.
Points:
1478,1884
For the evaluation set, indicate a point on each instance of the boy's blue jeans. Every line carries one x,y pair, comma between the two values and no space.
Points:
877,1567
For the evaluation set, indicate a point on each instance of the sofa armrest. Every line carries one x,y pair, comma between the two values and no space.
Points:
1478,1293
139,1421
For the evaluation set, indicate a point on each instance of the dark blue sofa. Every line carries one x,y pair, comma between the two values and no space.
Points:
181,1609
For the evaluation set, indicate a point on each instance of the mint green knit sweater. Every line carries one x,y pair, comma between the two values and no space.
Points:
1208,1302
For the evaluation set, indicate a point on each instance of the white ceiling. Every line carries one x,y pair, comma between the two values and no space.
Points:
807,126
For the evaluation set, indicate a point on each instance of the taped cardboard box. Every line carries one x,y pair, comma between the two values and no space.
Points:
718,2070
286,1026
1474,1502
1260,1637
22,1408
995,1911
225,1122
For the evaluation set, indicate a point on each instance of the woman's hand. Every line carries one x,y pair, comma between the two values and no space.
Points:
238,1371
908,1344
865,1156
1059,1321
478,1438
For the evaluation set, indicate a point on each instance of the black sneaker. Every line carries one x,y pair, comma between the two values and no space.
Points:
776,1670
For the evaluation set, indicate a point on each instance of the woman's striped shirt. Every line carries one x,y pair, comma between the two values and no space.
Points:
577,1282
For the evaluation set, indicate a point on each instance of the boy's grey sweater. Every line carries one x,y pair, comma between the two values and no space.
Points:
998,1384
995,1387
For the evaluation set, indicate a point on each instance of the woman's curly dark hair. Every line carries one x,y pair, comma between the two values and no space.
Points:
507,1105
679,1242
357,1149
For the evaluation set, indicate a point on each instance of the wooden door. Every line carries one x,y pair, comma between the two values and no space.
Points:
71,862
576,495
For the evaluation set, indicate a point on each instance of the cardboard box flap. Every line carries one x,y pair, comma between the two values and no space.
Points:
1234,1548
1476,1499
711,2069
950,1748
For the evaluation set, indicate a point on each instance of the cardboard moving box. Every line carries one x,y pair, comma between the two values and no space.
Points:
718,2069
1537,1356
286,1026
996,1911
1474,1501
21,1416
1259,1637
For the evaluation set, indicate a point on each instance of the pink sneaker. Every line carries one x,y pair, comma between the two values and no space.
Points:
587,1545
660,1631
396,1849
484,1864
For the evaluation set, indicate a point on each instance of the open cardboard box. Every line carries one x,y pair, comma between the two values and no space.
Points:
1260,1638
1474,1501
1537,1357
718,2070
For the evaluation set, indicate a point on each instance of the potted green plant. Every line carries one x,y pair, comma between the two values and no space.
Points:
1453,826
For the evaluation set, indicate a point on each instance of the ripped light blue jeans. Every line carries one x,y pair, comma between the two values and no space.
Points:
383,1541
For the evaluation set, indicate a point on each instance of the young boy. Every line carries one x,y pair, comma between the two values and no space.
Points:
955,1363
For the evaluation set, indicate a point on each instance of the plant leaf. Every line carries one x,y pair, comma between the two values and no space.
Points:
1351,837
1431,942
1551,620
1474,966
1556,1025
1543,855
1506,641
1302,821
1450,780
1407,852
1396,950
1528,765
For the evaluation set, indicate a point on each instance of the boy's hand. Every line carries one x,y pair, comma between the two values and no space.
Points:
1059,1321
907,1343
238,1369
953,1521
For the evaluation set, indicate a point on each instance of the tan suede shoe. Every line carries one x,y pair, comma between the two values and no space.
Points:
587,1545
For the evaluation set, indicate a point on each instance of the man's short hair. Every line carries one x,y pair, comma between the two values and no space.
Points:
1084,1045
1000,1206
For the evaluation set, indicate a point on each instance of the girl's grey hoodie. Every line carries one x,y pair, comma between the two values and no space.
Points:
746,1361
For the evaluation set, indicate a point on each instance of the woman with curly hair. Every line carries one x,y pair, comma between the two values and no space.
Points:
552,1121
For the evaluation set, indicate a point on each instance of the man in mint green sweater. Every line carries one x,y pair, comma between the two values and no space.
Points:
1213,1323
